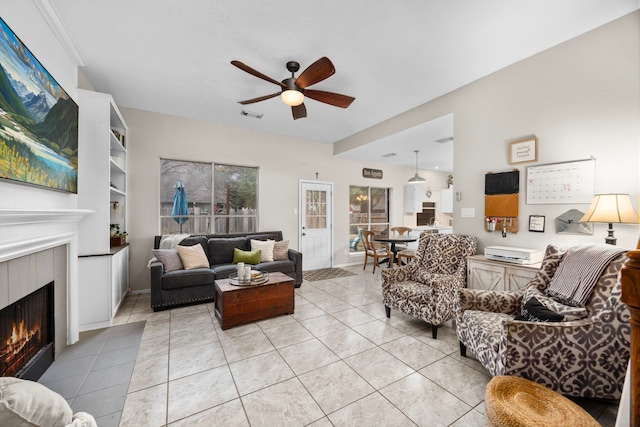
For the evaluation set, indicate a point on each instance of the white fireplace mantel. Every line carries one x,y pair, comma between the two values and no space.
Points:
31,216
25,231
28,231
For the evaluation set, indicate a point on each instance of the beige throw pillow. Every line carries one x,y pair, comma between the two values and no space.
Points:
28,403
281,250
193,257
265,248
169,258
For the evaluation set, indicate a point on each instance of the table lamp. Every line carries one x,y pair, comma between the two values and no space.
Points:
610,208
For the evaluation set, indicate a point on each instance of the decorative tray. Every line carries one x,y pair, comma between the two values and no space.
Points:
258,277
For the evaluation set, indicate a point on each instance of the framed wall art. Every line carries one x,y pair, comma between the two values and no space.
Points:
536,223
523,151
38,121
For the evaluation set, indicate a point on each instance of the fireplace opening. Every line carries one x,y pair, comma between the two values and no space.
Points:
27,335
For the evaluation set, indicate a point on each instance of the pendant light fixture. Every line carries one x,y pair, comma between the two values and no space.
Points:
416,179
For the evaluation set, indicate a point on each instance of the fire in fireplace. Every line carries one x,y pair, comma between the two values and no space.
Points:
27,335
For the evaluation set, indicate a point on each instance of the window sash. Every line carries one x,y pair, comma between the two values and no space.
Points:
201,218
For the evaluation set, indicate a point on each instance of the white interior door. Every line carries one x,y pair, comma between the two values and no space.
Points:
316,214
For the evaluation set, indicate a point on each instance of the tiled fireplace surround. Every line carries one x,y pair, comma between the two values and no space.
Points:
37,247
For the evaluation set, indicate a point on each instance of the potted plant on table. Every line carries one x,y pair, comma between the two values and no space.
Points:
117,238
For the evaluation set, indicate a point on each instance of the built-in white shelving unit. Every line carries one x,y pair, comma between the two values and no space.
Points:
102,188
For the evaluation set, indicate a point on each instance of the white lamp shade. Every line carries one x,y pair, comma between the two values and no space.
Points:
611,208
292,97
416,179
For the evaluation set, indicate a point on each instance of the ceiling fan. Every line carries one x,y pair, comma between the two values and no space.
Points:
295,89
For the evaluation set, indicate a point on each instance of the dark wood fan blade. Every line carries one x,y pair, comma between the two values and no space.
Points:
299,111
257,73
258,99
336,99
318,71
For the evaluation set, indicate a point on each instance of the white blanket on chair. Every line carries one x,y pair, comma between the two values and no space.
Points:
168,241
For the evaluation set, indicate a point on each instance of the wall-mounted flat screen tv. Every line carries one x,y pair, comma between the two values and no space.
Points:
38,121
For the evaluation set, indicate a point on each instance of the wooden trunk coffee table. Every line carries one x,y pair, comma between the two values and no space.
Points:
236,305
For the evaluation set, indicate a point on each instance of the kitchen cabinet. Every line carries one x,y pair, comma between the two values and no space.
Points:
413,195
446,200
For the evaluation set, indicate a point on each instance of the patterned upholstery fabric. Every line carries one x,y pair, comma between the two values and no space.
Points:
427,287
583,358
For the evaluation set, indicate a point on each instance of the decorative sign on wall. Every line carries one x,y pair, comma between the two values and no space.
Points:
561,183
371,173
525,150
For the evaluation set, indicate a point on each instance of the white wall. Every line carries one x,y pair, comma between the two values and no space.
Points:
282,160
580,98
24,18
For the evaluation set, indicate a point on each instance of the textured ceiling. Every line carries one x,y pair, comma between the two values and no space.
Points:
174,56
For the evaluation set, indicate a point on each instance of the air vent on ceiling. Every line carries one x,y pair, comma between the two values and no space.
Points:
388,155
443,140
251,114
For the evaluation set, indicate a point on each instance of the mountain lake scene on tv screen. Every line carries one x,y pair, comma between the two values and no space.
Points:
38,121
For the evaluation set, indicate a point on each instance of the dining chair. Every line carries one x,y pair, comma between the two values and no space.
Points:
401,246
377,253
401,230
405,253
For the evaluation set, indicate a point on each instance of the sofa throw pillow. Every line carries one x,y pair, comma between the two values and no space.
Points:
534,311
193,257
248,257
265,248
28,403
281,250
169,258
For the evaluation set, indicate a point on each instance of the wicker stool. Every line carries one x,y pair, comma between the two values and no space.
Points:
518,402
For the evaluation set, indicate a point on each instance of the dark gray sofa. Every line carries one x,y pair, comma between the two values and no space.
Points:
191,286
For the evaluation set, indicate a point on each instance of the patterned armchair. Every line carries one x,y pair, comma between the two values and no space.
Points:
584,358
427,287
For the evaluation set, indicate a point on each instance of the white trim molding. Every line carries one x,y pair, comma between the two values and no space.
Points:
51,15
35,216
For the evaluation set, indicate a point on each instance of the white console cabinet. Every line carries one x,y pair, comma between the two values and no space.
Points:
487,274
104,281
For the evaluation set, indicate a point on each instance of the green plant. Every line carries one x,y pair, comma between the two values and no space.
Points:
117,232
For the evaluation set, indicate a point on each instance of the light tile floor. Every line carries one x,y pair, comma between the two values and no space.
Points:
337,361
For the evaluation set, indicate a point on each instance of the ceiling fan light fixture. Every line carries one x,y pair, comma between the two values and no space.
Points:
416,179
292,97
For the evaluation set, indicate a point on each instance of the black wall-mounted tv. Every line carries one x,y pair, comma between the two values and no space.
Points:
502,183
38,121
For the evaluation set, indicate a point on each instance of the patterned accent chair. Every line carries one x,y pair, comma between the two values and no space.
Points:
583,358
427,287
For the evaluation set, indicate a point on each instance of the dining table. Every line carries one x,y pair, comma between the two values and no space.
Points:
392,240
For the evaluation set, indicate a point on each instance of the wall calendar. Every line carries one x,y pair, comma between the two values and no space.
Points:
558,183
